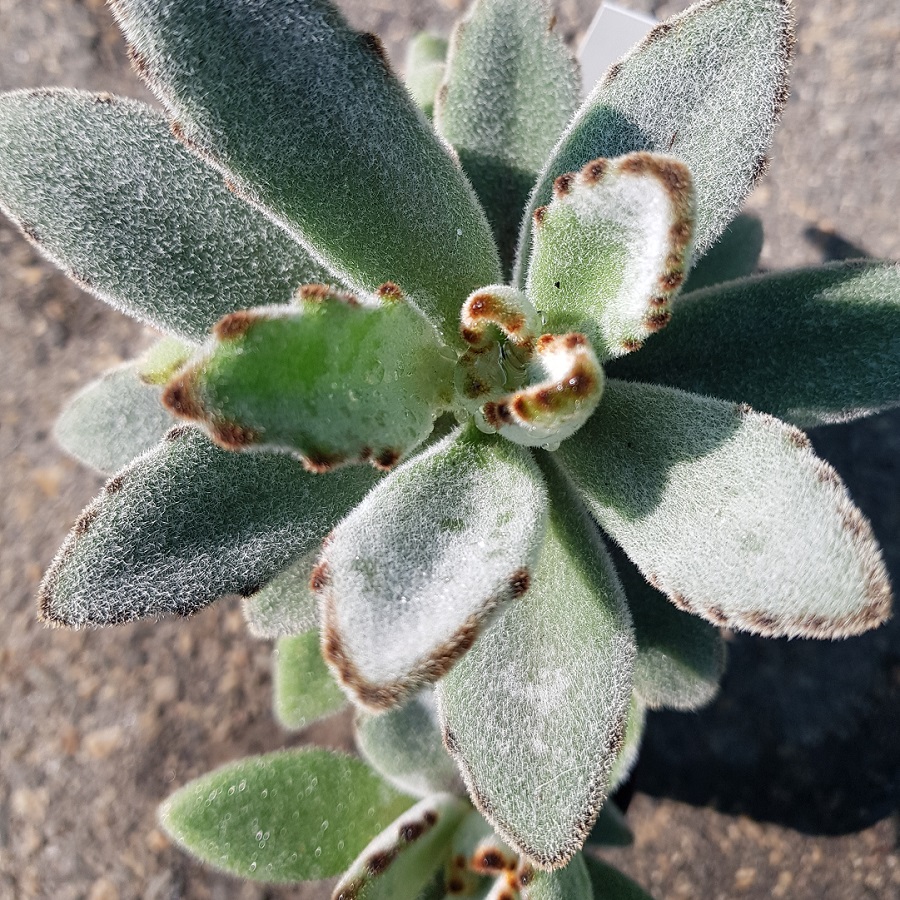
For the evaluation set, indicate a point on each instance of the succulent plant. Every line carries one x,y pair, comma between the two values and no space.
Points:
483,401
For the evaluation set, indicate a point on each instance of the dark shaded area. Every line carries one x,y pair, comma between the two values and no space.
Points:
832,246
803,733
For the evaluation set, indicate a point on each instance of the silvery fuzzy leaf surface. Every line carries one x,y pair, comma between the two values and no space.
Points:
570,883
402,859
534,714
706,87
510,88
612,248
294,815
307,120
100,187
631,744
811,346
409,578
185,524
424,70
114,419
303,689
728,512
404,746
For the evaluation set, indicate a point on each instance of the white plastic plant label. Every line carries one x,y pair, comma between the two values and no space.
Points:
613,32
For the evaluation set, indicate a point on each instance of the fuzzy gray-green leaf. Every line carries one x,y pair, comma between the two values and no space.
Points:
680,658
187,523
303,687
286,606
101,187
610,884
424,71
409,578
706,87
510,88
734,255
570,883
811,346
113,419
295,815
728,512
404,745
308,120
631,745
535,713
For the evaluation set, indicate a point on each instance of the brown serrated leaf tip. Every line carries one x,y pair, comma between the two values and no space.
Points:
235,324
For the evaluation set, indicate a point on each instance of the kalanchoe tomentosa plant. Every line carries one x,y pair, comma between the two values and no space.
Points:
475,297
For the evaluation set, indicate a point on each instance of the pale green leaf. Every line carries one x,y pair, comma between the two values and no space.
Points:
329,379
163,359
706,87
570,883
610,884
610,829
303,687
187,523
424,70
112,420
402,859
410,576
811,346
680,658
631,745
612,248
510,88
729,513
307,119
102,189
734,255
287,605
535,713
404,745
296,815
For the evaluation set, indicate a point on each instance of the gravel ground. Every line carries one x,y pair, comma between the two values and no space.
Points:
787,786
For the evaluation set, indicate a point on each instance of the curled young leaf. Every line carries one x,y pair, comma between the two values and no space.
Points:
331,380
410,576
303,687
535,713
612,248
306,118
729,513
185,524
101,188
295,815
113,420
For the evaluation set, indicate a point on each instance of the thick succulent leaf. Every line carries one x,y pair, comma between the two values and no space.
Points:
680,658
404,745
304,689
570,883
729,513
101,188
187,523
424,71
707,87
409,577
734,255
610,884
402,859
631,745
287,605
163,359
811,346
510,88
296,815
113,419
535,713
612,248
305,117
610,829
330,379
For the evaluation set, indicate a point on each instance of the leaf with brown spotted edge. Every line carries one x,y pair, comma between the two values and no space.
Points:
410,576
402,859
728,512
187,523
612,248
535,713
